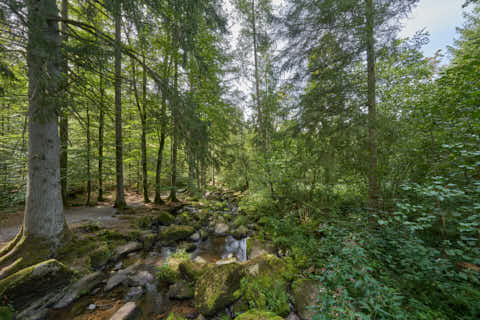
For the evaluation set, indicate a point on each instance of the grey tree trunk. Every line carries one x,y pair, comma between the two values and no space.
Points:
89,175
64,114
101,127
173,185
373,188
120,196
163,135
44,218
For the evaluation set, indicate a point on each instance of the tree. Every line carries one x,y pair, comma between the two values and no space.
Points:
44,228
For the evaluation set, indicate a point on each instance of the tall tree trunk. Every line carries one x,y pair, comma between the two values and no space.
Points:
89,175
163,135
173,186
257,78
373,187
120,197
101,126
44,227
64,114
143,120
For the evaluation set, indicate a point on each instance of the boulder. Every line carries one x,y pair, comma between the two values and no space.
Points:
221,229
196,236
217,287
100,257
120,277
29,284
123,251
140,279
191,271
80,288
240,233
127,312
180,290
164,218
148,239
175,233
258,315
305,295
134,293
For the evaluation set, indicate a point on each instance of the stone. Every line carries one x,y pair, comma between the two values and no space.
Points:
221,229
29,284
127,312
217,287
92,307
226,261
190,270
120,277
141,278
134,294
181,290
305,295
123,251
80,288
196,236
164,218
99,258
176,232
240,233
148,239
258,315
155,302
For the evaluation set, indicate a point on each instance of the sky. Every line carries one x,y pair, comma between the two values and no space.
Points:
440,18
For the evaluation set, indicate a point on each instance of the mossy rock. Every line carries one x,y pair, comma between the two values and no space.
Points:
217,288
164,218
240,221
145,222
29,284
148,239
167,275
258,315
176,232
305,295
191,271
240,233
100,257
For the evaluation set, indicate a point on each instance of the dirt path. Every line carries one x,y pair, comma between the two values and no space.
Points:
103,213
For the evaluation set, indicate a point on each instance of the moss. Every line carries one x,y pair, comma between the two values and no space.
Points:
6,313
240,221
144,222
176,232
167,275
100,256
258,315
164,218
191,271
174,316
305,295
34,282
78,248
111,235
216,288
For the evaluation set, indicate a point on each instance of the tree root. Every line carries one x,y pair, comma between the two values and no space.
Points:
23,252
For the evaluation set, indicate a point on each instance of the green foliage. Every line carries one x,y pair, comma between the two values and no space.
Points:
266,293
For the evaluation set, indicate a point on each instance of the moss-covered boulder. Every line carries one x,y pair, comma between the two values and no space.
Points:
258,315
240,232
181,290
164,218
218,287
266,285
305,295
175,233
100,257
191,271
29,284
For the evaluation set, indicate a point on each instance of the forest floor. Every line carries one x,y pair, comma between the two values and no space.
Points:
76,215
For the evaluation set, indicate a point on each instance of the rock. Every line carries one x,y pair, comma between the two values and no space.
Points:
120,277
175,233
188,246
141,278
240,221
164,218
215,289
196,236
148,239
221,229
305,295
134,294
127,312
258,315
226,261
191,271
80,288
155,302
199,260
38,310
180,290
29,284
123,251
100,257
240,233
92,307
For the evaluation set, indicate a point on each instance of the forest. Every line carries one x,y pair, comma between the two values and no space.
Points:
237,159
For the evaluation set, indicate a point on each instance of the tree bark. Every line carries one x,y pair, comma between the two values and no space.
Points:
163,135
373,187
64,114
120,196
101,126
173,185
89,175
44,228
